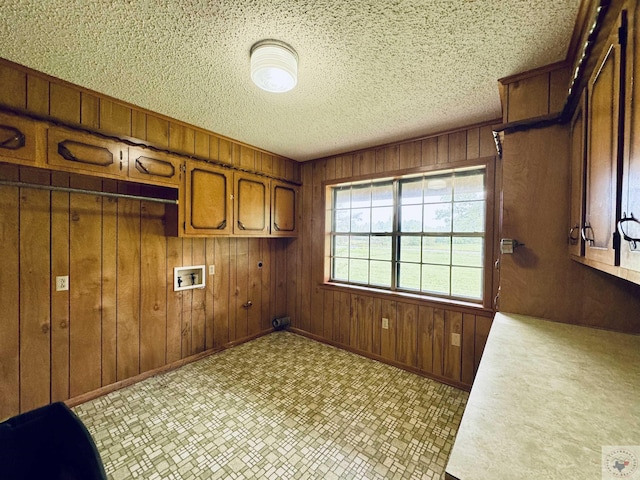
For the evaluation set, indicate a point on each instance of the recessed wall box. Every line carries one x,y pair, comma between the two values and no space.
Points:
186,278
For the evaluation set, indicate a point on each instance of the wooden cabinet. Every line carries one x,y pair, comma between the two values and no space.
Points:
81,152
207,200
20,139
577,171
603,154
149,166
251,201
284,206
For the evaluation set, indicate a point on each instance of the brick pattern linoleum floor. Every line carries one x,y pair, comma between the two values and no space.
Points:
281,406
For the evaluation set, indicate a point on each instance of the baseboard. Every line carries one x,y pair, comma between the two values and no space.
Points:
372,356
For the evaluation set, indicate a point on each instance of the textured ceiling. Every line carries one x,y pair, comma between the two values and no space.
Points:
370,72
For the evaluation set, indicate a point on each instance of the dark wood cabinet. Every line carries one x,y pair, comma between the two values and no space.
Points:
20,139
207,202
284,198
149,166
577,179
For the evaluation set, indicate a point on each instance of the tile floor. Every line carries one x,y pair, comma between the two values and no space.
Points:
281,406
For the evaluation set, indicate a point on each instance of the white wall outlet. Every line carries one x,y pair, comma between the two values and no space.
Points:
62,283
385,323
212,269
455,339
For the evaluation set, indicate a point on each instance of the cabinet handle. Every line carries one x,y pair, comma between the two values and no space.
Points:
573,239
241,225
276,227
632,241
248,304
140,166
583,231
221,225
16,138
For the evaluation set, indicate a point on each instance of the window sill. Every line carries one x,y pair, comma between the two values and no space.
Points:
406,297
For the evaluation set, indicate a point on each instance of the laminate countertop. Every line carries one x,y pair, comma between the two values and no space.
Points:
546,400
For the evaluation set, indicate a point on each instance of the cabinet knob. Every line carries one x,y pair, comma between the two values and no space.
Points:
248,304
633,242
573,235
583,231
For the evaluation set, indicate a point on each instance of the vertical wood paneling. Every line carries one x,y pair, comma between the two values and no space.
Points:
233,288
89,110
438,341
128,306
14,87
458,146
254,287
365,323
307,233
115,118
157,131
528,98
487,143
443,149
391,158
153,300
9,292
64,103
138,124
187,302
410,155
377,326
290,246
317,248
468,347
452,353
473,143
380,160
430,151
265,279
345,318
483,325
425,339
181,138
202,144
37,95
210,305
59,300
34,292
354,310
174,301
242,287
388,336
198,312
247,157
85,277
328,320
407,339
109,284
221,293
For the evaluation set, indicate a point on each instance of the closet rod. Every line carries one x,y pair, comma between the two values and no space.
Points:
86,192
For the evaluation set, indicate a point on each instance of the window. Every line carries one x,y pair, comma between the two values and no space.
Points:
420,234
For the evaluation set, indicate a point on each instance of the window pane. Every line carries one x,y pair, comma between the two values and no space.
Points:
411,217
382,194
411,192
409,276
340,246
466,282
343,197
342,221
361,196
437,189
410,249
436,250
437,217
360,220
359,271
468,217
382,219
435,279
359,247
380,273
341,269
469,186
467,252
380,248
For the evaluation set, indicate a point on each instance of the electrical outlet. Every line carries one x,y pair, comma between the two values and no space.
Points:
385,323
455,339
62,283
212,269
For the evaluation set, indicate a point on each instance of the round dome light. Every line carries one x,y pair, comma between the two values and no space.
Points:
274,66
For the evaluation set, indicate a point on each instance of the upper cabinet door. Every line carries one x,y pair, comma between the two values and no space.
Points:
20,139
603,157
81,152
630,226
284,199
252,198
576,216
207,200
153,167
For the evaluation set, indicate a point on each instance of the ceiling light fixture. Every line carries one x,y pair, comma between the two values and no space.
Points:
274,66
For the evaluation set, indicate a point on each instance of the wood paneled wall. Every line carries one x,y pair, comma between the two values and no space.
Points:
120,316
38,94
540,279
419,332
